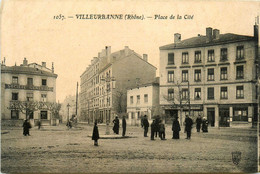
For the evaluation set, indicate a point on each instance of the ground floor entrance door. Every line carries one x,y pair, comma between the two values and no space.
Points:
224,117
211,116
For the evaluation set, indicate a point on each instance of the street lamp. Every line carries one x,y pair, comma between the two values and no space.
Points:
68,106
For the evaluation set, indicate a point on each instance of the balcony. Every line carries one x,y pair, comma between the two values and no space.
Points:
28,87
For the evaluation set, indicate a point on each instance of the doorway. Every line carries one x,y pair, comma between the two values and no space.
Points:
224,117
211,116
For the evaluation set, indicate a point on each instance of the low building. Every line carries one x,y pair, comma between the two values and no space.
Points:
27,83
142,100
213,76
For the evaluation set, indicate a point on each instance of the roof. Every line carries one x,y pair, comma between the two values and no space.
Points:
26,70
201,41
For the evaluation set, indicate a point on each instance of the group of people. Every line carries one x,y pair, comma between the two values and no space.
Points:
202,123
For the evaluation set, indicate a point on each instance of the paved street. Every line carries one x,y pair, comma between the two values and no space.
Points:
56,149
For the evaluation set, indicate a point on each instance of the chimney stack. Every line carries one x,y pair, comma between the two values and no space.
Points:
108,50
126,50
177,38
215,34
256,31
25,62
44,64
52,67
145,57
209,34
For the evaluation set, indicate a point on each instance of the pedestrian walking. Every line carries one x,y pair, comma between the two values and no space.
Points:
95,134
124,126
145,125
26,128
176,128
162,130
198,123
152,129
188,125
205,124
116,125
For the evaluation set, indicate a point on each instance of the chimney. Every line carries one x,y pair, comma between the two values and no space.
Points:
25,62
177,38
145,57
108,50
98,54
256,31
215,34
52,67
126,50
44,64
209,34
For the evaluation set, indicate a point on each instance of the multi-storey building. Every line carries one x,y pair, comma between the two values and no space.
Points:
27,82
213,76
143,100
104,83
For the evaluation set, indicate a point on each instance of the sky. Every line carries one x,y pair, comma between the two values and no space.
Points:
31,29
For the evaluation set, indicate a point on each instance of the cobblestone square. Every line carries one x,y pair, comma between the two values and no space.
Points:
58,150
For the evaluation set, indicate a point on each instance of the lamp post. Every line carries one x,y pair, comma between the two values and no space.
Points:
68,106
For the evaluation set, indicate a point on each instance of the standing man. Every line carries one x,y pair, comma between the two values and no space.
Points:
146,125
188,126
26,128
176,128
124,126
198,123
116,125
153,127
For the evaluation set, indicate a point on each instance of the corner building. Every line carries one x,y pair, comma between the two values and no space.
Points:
213,76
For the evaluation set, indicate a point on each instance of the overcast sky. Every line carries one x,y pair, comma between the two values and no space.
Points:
28,29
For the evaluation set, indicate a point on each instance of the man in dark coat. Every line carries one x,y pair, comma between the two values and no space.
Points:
26,127
116,125
188,126
146,125
124,126
157,126
95,134
152,129
176,128
198,123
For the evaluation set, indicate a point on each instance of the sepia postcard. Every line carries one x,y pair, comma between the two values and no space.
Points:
160,86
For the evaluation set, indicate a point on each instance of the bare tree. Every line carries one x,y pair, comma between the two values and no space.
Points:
120,102
54,108
26,107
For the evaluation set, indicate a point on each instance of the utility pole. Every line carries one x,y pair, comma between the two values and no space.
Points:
77,99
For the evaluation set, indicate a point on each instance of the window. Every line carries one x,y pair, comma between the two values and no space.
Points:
197,94
240,114
223,93
223,73
240,72
170,58
44,97
184,94
185,57
44,82
240,52
170,76
210,93
29,114
146,98
170,94
197,56
197,75
29,96
211,57
138,99
29,81
185,75
44,114
223,54
14,114
14,96
240,92
210,74
15,80
131,99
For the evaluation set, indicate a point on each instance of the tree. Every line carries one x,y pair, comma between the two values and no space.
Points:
54,108
120,102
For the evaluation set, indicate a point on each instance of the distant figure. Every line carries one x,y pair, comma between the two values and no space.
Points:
26,127
39,124
124,126
176,128
95,134
205,124
152,129
157,126
146,125
162,130
69,124
188,125
116,125
198,123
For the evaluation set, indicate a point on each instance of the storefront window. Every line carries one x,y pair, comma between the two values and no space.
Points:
240,114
